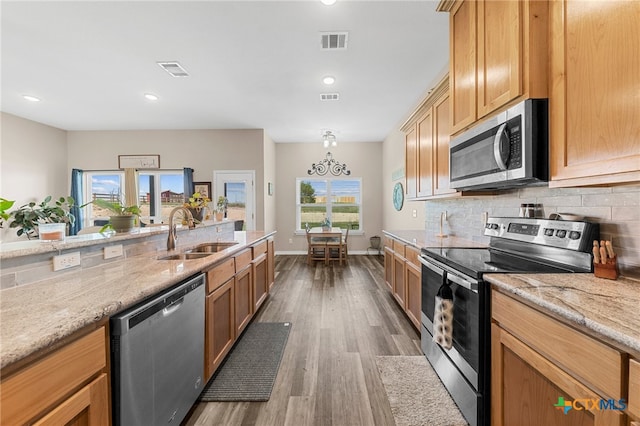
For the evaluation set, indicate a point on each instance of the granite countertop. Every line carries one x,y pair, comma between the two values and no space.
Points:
424,239
608,308
37,315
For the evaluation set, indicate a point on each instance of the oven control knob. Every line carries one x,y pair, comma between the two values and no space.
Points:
561,233
548,232
494,226
574,235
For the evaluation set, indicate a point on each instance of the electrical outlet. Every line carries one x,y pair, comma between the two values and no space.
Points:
113,251
414,213
66,261
290,240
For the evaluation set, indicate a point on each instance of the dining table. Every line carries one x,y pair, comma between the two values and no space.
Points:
332,237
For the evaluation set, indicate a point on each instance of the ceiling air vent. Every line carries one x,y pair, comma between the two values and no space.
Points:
334,41
329,96
173,68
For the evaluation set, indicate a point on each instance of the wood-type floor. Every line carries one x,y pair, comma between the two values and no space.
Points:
342,318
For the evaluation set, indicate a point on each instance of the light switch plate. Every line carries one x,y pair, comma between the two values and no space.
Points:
66,261
113,251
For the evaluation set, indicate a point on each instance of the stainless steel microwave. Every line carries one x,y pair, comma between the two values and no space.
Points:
509,150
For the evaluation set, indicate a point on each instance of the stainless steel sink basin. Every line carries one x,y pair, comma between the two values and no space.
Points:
211,247
184,256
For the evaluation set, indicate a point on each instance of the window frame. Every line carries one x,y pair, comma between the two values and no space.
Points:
329,203
87,185
157,173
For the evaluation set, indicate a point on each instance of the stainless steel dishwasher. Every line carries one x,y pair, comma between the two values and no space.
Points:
157,356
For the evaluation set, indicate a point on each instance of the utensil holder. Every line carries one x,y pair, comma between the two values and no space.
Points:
607,270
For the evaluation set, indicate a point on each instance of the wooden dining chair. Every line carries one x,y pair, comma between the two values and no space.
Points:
316,248
339,247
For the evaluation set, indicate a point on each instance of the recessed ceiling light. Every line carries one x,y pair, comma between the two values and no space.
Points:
151,97
328,2
328,80
31,98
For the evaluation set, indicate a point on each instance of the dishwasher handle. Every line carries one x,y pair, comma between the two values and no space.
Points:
175,306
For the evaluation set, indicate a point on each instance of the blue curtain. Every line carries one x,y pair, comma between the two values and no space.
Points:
188,183
76,194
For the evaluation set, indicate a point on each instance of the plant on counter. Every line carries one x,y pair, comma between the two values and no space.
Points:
197,204
5,205
27,217
122,219
221,207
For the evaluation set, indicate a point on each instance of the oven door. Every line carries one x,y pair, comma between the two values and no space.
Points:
463,369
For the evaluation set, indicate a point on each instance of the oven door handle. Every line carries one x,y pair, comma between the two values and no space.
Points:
472,286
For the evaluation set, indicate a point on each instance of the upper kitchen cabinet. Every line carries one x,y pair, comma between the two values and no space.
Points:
427,146
498,56
594,93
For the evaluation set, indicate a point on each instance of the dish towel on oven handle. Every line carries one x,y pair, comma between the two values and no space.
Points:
443,315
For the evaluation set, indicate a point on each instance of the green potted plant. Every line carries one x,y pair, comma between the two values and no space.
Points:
122,219
221,207
197,204
5,205
29,217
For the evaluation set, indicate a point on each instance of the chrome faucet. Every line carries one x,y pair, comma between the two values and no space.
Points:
171,241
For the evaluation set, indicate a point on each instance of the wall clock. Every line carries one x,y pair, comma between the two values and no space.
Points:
398,196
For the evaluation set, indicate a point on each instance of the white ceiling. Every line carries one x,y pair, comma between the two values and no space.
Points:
252,64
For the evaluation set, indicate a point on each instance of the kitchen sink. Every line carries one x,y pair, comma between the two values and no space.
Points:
184,256
208,248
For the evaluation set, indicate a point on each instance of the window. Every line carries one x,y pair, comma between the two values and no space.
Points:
338,199
159,193
107,185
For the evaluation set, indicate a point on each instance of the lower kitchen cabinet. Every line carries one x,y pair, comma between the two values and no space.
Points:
261,284
403,276
69,386
544,372
244,301
271,273
220,326
634,389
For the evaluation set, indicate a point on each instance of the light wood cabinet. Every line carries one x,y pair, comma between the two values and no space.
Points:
220,326
66,387
243,299
594,101
427,147
260,274
540,364
271,272
634,388
498,56
403,276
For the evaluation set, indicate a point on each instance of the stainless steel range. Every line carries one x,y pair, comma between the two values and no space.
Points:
517,245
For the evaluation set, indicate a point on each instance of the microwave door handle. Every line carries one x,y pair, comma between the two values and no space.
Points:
496,147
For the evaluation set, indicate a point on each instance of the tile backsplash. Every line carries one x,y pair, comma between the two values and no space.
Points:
617,209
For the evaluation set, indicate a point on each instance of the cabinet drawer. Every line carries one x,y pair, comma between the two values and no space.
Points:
259,248
412,256
584,357
388,242
634,387
220,274
243,259
398,247
46,382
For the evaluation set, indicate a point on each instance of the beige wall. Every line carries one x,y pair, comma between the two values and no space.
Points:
294,159
393,155
33,160
202,150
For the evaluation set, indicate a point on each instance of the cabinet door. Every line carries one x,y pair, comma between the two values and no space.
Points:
388,268
441,132
89,406
425,154
271,274
594,101
527,389
414,294
499,54
411,163
399,291
462,75
244,301
260,284
219,326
